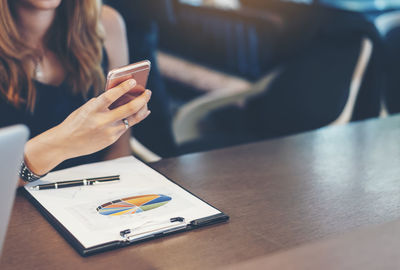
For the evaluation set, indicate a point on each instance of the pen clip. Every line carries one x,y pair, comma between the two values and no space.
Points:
94,181
173,224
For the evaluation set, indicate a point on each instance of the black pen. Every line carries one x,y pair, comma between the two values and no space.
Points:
75,183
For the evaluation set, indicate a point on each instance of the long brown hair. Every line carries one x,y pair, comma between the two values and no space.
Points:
76,37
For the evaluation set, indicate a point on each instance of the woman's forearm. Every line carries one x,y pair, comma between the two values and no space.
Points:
44,152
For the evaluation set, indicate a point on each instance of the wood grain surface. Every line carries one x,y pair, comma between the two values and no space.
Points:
279,194
373,248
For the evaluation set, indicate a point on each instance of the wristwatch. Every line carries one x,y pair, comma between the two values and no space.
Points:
27,175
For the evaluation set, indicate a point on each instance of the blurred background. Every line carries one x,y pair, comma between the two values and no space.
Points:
227,72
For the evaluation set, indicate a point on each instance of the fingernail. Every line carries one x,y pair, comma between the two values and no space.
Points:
148,93
148,113
132,82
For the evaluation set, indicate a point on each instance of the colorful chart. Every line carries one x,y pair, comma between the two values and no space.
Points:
132,205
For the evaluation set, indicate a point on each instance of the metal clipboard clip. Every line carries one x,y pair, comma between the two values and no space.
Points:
153,230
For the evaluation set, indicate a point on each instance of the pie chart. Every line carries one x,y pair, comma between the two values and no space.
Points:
133,205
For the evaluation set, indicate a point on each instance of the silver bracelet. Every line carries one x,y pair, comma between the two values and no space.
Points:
27,175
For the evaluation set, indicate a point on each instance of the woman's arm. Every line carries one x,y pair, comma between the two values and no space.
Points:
89,129
116,46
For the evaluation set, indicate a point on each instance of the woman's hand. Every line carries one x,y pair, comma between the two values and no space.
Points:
94,126
89,129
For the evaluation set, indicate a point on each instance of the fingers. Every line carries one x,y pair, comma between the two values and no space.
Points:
111,95
138,117
132,120
131,94
131,108
136,90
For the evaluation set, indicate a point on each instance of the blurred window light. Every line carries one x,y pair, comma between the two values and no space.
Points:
362,5
354,5
192,2
224,4
300,1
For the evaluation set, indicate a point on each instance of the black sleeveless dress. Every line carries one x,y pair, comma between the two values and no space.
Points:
53,105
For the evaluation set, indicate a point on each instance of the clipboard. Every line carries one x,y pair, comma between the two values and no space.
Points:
125,235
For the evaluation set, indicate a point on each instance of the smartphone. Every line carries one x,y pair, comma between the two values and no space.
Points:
138,71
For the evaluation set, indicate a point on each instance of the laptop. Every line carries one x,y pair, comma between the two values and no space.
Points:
12,142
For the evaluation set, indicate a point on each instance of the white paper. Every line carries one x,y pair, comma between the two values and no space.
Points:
76,207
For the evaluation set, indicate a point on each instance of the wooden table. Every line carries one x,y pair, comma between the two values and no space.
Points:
372,248
279,194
